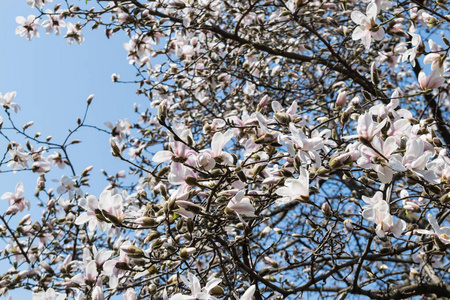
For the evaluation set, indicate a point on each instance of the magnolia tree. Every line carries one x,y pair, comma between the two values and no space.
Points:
288,149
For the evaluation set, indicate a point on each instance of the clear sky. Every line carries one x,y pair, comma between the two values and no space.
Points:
53,80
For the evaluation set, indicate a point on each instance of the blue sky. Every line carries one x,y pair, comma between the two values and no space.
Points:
53,80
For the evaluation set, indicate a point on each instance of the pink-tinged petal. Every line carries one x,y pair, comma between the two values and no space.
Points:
435,79
249,293
389,146
212,283
432,57
366,40
21,20
384,174
91,271
219,140
359,18
379,34
244,208
372,11
434,223
422,78
359,33
285,191
162,156
83,218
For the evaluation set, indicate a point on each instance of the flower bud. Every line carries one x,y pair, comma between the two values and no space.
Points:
348,225
341,99
89,99
326,210
374,76
133,251
185,253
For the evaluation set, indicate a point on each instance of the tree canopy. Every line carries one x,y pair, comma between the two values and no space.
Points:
288,149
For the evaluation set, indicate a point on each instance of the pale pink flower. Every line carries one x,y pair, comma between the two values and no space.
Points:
436,57
378,212
57,160
248,295
415,160
218,142
294,189
377,155
49,294
7,101
432,81
74,34
443,233
16,200
38,3
367,23
367,128
53,23
130,294
90,204
18,158
192,282
28,27
241,205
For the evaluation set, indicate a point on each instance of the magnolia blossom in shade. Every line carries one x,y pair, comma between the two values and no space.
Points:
241,205
367,26
28,27
442,233
130,294
49,294
248,295
110,268
294,189
192,282
432,81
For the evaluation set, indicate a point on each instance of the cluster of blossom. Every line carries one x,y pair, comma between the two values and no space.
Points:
256,182
29,26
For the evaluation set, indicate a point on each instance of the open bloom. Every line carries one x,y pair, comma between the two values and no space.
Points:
443,233
241,205
28,27
16,200
7,101
74,34
367,26
294,189
53,23
192,282
367,128
378,212
431,82
48,295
